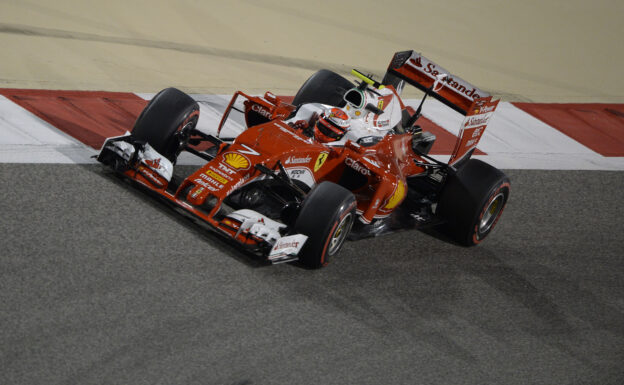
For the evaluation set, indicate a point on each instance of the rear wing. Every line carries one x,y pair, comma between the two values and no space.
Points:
475,104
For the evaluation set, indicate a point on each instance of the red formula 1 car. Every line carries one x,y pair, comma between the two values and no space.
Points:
290,188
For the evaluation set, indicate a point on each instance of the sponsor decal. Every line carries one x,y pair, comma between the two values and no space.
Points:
248,150
374,163
357,166
285,245
216,176
477,132
296,160
296,173
261,110
211,181
320,160
384,101
485,109
303,174
226,169
383,123
237,185
457,84
477,121
237,161
149,174
453,83
471,142
202,183
218,171
197,191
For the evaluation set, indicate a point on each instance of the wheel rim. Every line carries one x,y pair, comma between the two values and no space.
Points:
340,234
183,135
491,212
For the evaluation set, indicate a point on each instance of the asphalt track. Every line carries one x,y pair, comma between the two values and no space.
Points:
101,284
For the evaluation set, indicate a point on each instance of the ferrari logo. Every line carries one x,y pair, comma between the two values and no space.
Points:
320,160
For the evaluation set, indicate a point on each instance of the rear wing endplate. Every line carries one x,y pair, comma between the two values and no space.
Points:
472,129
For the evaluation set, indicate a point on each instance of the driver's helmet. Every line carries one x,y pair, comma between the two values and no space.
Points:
331,125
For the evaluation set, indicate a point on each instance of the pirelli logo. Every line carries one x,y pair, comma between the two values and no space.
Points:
216,176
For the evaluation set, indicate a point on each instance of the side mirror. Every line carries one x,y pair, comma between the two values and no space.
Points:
374,109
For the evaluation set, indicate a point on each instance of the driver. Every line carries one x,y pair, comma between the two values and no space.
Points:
355,122
325,124
332,125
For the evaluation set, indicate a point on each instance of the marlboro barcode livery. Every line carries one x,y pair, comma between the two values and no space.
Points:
345,160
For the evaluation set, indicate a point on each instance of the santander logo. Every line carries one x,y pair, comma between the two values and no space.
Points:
458,85
453,83
296,160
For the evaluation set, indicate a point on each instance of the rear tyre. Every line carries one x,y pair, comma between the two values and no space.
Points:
325,87
472,200
168,112
326,217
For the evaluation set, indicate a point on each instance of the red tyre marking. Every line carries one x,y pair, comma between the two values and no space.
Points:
344,214
476,229
323,254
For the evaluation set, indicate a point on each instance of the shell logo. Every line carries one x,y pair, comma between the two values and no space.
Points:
237,161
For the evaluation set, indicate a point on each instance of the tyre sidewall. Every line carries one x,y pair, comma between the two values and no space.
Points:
321,213
477,235
465,198
167,112
324,87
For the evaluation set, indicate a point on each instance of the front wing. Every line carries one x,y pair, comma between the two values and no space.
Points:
257,233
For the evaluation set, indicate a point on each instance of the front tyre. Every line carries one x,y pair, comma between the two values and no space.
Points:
472,201
326,217
166,114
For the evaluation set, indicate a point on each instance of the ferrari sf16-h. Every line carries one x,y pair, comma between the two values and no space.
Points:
343,160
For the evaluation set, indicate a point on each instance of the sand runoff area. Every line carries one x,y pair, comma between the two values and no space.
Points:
537,51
